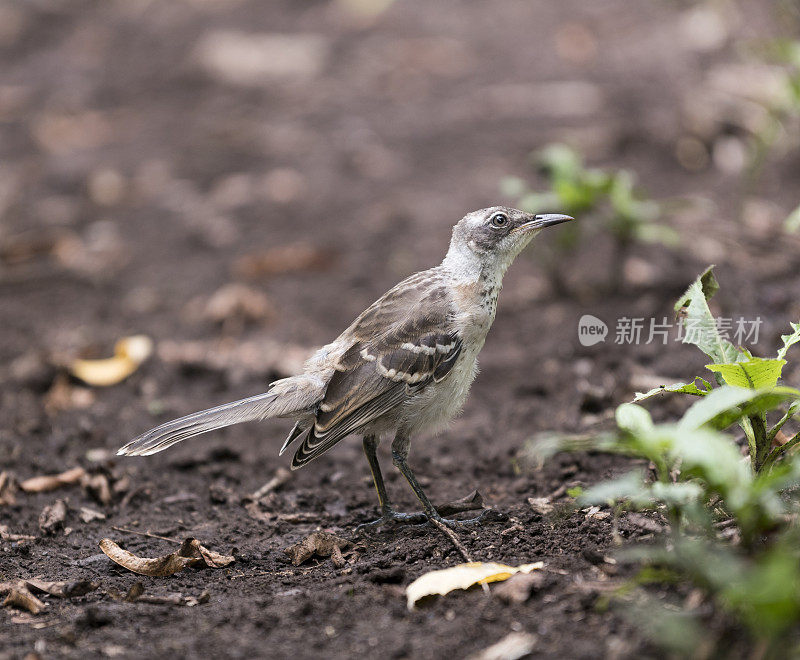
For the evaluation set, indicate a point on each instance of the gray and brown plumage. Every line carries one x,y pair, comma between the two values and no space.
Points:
404,366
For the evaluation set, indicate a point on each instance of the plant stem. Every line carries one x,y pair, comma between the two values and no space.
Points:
762,443
776,453
789,414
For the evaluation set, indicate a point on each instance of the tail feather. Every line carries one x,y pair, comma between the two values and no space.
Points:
157,439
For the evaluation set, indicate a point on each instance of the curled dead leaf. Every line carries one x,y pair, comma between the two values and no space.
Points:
129,353
49,482
463,576
98,486
191,553
52,517
20,597
322,544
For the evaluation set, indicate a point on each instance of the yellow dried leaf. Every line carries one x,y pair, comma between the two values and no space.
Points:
129,353
463,576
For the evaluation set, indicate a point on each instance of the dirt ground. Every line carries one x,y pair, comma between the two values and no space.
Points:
157,177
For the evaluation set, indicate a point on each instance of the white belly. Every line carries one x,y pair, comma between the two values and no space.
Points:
431,410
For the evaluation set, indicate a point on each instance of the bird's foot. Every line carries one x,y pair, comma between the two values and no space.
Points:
452,523
419,519
392,517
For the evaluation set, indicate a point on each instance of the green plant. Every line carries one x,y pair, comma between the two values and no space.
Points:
604,200
753,379
732,532
783,106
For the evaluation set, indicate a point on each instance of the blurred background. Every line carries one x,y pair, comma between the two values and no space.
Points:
236,180
153,153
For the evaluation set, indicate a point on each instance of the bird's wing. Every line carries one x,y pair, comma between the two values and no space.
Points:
396,347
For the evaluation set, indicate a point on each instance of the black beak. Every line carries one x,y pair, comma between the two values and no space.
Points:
545,220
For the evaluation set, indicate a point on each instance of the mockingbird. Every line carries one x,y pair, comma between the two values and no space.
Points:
405,365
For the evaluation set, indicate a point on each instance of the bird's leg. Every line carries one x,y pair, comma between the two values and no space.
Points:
388,514
400,449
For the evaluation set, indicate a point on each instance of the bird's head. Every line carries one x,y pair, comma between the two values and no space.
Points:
493,237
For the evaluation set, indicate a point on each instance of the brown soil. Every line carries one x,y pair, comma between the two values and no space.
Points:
120,217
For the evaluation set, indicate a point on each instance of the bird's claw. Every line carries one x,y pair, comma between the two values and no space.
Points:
457,524
391,517
418,519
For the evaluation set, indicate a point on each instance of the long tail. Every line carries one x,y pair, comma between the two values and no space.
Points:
170,433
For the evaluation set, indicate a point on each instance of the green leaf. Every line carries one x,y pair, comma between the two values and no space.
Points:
726,405
630,486
683,388
755,374
575,492
789,340
699,324
713,458
633,488
560,161
634,418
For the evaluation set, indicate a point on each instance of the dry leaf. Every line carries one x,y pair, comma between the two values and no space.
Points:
52,481
88,515
321,544
52,517
512,647
63,395
238,301
337,558
63,589
19,597
191,553
463,576
542,505
519,587
98,486
8,488
129,353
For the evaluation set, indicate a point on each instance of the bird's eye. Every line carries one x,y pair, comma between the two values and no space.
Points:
499,220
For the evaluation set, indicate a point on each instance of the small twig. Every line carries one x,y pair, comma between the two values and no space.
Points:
282,476
444,529
147,534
